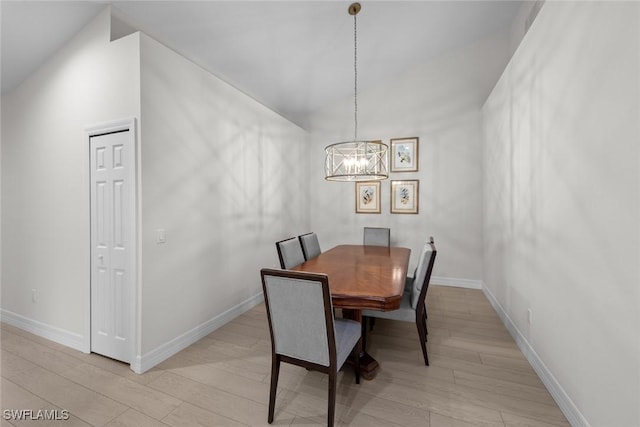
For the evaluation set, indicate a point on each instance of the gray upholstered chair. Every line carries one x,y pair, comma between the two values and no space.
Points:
310,245
375,236
304,331
413,303
290,253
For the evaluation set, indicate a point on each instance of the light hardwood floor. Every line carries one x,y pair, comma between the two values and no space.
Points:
477,376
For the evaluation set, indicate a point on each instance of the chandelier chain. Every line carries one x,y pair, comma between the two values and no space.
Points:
355,74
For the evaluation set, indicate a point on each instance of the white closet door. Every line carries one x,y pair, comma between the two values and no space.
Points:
112,244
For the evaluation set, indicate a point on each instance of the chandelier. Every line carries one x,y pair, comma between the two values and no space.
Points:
356,160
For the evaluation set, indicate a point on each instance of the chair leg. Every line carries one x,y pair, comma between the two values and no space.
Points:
275,372
426,331
423,342
364,333
424,325
331,410
372,323
357,351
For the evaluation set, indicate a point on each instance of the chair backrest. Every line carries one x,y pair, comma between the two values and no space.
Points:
290,252
300,315
310,245
376,236
423,275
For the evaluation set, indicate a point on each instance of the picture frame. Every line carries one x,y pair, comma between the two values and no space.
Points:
405,196
368,197
404,154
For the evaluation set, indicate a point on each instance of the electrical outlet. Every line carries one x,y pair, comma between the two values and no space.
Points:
33,295
529,316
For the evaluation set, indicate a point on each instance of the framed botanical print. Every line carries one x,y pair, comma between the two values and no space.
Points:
404,154
368,197
404,196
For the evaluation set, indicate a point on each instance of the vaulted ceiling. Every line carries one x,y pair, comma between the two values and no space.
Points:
294,56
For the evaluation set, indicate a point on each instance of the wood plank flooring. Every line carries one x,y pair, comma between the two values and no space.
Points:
477,377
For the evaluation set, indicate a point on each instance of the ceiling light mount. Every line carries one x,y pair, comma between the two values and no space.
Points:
356,160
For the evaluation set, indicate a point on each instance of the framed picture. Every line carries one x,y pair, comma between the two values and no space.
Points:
368,197
404,196
404,154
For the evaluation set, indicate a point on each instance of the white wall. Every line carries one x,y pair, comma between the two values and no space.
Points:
562,203
222,174
45,187
226,178
439,102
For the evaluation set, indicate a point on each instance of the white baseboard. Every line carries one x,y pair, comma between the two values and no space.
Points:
52,333
457,283
142,363
566,405
163,352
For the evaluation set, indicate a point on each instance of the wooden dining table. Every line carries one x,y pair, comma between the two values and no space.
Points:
363,277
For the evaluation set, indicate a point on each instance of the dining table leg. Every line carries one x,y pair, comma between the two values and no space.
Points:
368,365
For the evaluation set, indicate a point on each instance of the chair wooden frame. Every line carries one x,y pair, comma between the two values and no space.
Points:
332,369
305,249
283,264
421,308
